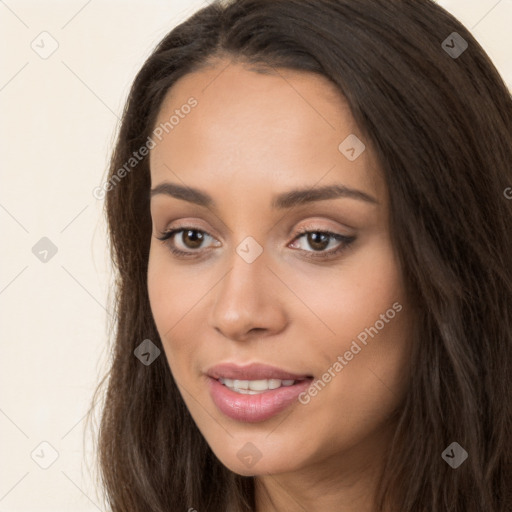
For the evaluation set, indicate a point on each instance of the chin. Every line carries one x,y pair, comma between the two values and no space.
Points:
254,455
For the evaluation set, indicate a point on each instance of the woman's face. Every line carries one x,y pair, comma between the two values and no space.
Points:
310,331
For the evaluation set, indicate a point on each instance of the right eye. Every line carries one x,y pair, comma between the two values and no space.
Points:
191,239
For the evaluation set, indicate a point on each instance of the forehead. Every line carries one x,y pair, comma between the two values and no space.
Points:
249,127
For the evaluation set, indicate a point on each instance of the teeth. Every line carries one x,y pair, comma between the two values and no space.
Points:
254,387
274,383
258,385
241,384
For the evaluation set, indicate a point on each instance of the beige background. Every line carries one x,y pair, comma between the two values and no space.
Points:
59,116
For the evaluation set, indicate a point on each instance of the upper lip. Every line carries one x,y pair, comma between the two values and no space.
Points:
253,371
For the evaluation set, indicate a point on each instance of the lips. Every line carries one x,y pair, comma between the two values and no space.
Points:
258,407
232,390
254,371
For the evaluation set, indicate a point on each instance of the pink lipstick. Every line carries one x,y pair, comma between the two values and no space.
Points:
255,392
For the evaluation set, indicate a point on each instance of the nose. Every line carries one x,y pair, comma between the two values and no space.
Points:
249,301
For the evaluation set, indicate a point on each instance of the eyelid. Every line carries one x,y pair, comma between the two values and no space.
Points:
311,225
345,242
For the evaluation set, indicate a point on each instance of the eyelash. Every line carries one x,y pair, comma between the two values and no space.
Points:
346,241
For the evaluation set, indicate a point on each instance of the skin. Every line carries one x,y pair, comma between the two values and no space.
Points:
251,136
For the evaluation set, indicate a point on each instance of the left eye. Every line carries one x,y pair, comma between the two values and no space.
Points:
192,239
320,240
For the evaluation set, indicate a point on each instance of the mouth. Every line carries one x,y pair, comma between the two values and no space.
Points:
255,392
255,387
253,372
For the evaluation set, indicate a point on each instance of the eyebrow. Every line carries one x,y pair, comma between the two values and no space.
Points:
281,201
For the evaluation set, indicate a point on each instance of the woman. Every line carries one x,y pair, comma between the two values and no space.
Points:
307,210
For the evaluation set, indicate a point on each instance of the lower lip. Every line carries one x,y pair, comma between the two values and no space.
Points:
254,408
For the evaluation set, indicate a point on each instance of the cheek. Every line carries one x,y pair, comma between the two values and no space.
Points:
369,383
172,290
351,296
177,295
365,357
168,299
161,293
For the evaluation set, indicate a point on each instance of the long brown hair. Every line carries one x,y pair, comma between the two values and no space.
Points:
441,127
